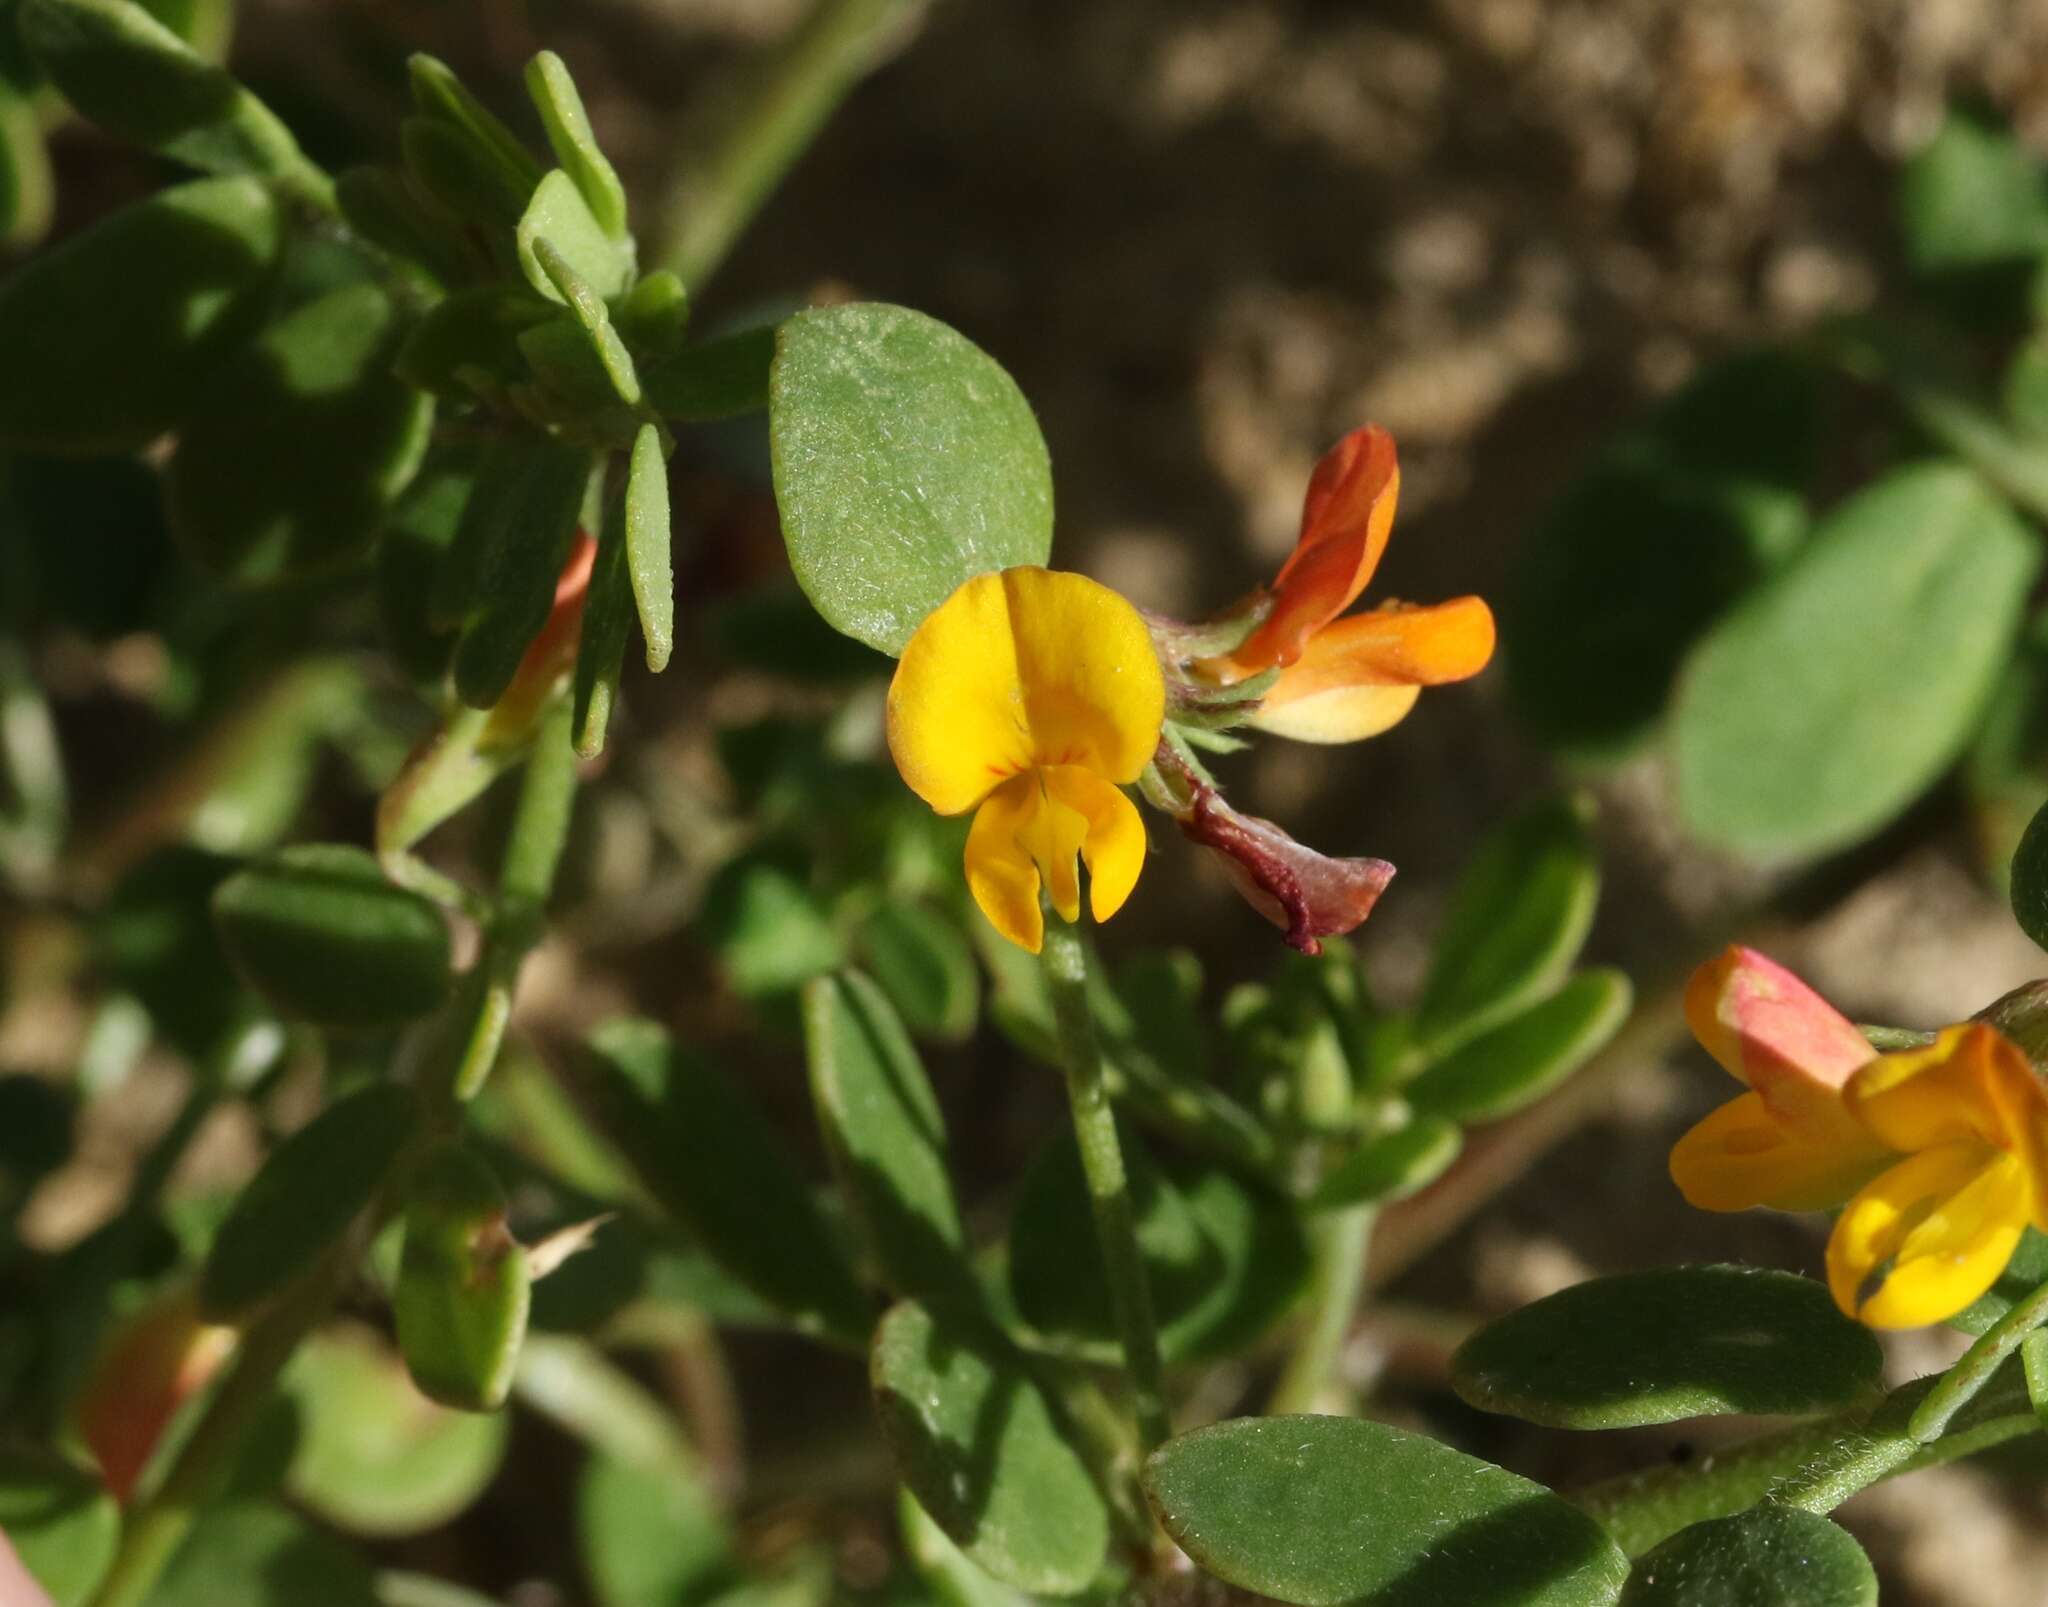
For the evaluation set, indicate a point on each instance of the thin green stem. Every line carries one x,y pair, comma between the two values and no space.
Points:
767,122
1961,1383
1102,1161
1815,1466
1341,1240
159,1524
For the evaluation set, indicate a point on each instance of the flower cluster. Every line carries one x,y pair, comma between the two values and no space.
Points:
1031,697
1938,1155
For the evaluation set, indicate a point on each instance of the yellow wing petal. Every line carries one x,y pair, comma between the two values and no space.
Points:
1967,1084
1334,713
1002,872
1934,1231
1740,1156
957,726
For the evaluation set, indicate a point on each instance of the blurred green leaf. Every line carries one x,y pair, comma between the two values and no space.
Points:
923,962
303,1199
90,538
982,1445
1328,1510
127,72
1225,1258
382,208
2006,771
100,357
498,580
2030,879
954,1580
1769,1556
773,629
472,332
1792,735
885,1134
1973,197
1517,920
441,96
1681,517
376,1457
305,442
416,539
320,932
251,1551
61,1521
649,1536
463,1285
906,461
155,938
1391,1166
654,316
714,379
1655,1347
771,936
574,144
715,1166
1518,1062
27,191
647,546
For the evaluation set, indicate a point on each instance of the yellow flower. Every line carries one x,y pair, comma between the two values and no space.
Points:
1941,1152
1927,1237
1032,696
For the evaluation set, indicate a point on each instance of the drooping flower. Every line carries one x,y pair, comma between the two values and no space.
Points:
1032,696
1343,679
1940,1152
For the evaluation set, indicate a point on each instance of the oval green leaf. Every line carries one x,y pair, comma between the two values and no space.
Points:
304,1198
1973,197
711,1161
573,142
1225,1258
885,1135
649,1534
102,358
906,461
1497,1073
1794,735
1770,1556
302,447
375,1456
715,379
1517,920
320,933
463,1284
1655,1347
253,1551
558,215
982,1445
61,1521
1328,1510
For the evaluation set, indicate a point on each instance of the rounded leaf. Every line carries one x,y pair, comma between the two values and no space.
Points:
982,1445
375,1456
303,446
1770,1556
107,340
1327,1510
304,1198
906,461
1794,735
320,933
1655,1347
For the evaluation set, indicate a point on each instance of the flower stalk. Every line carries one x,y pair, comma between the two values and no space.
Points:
1102,1162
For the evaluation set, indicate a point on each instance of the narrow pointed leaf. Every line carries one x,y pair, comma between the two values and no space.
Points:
592,316
1323,1511
442,96
885,1135
981,1444
647,546
304,1198
601,653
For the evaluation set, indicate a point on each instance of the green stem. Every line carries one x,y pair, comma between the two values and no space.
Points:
158,1526
768,123
1341,1241
1102,1160
1961,1383
1815,1466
